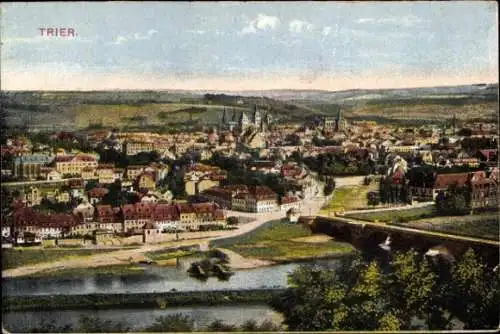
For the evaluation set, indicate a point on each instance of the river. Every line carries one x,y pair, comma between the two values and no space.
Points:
153,279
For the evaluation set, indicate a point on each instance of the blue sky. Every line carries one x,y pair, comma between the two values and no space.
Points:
226,46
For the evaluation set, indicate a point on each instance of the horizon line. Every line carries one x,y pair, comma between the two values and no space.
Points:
245,90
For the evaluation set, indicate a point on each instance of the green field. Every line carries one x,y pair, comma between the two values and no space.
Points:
348,198
163,255
18,257
274,241
480,226
122,115
396,216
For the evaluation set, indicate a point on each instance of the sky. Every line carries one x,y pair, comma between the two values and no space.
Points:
232,46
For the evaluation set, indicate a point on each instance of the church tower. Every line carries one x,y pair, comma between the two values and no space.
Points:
256,117
340,122
243,122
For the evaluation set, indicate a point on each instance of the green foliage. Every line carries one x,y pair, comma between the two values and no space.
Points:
410,286
338,164
475,293
48,327
312,301
93,324
454,202
171,323
389,323
274,240
396,216
359,296
329,187
219,326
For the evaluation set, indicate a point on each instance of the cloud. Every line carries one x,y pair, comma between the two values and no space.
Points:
261,22
407,21
135,36
298,26
198,32
120,40
326,31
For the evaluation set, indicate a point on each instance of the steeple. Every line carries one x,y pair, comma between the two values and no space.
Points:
224,116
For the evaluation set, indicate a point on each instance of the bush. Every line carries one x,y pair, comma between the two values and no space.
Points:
172,323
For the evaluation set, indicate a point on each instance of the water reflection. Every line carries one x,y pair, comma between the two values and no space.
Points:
157,279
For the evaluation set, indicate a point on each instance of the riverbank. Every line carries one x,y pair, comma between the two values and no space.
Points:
137,300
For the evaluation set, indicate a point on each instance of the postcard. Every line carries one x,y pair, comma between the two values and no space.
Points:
249,166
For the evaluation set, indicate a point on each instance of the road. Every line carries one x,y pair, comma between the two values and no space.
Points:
126,256
395,228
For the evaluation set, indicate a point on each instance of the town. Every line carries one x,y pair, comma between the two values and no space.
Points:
249,167
102,185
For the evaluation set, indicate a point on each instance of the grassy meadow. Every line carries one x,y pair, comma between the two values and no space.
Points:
277,240
348,198
396,216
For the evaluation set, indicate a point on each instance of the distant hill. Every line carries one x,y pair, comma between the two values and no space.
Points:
480,91
166,109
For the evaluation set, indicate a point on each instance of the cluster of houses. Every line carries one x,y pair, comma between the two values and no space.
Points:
424,185
86,220
258,199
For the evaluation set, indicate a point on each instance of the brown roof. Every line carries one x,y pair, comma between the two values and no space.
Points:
97,192
29,217
288,199
446,180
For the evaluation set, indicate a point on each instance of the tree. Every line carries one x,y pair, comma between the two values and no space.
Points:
309,303
360,296
219,326
389,323
454,202
232,220
475,293
364,305
410,286
329,187
172,323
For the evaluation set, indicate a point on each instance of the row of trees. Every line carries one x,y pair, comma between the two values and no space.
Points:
337,164
168,323
393,193
409,291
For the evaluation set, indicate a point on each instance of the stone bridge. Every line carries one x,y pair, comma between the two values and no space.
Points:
364,235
